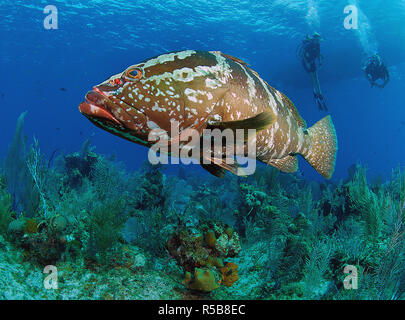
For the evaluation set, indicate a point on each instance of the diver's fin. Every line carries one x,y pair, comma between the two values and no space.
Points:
321,154
258,122
287,164
318,102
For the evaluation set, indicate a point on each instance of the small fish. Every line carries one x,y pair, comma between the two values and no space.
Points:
63,89
200,90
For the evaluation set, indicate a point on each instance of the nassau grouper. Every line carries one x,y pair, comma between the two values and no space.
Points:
200,90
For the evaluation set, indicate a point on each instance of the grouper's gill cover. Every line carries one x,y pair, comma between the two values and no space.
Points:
199,90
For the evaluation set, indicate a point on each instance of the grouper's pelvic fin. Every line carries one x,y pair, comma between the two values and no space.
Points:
321,154
218,167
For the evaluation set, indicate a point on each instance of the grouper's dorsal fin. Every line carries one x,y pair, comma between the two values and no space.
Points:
232,58
288,103
240,61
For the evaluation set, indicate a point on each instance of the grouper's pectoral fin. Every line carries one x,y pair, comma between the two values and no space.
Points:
218,166
287,164
258,122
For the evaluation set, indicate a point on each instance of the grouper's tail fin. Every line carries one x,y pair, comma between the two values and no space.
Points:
321,154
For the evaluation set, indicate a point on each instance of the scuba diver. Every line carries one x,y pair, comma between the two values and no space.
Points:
310,53
376,69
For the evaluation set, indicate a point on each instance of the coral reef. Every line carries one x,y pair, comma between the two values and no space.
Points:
229,274
115,234
5,209
201,252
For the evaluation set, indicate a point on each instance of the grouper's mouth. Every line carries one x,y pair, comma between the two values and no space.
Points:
96,106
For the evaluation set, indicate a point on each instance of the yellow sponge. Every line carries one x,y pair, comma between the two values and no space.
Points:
204,280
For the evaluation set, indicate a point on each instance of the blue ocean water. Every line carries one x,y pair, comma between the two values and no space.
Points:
96,39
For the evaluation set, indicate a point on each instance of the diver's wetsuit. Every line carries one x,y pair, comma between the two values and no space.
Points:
310,52
376,69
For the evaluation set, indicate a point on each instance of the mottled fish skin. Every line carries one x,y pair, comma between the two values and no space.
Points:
196,88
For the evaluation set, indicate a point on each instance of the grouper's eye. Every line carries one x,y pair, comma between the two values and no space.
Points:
134,74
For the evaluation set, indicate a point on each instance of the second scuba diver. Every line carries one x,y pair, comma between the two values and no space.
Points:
376,70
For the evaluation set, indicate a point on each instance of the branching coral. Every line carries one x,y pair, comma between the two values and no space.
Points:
5,210
17,176
371,206
106,222
34,164
316,264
